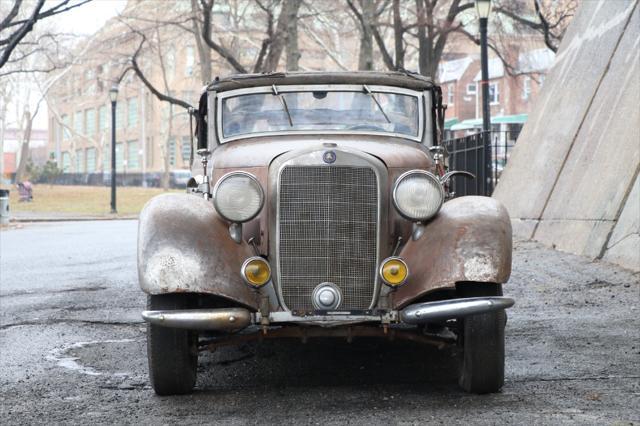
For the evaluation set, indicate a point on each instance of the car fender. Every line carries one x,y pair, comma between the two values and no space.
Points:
184,247
469,240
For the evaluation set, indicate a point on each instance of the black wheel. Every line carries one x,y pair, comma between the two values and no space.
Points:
172,353
482,335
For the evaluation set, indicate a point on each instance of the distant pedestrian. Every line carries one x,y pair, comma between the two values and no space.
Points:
25,189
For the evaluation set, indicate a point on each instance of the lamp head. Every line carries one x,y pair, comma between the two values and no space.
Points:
483,8
113,93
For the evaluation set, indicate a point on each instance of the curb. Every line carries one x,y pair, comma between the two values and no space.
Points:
69,219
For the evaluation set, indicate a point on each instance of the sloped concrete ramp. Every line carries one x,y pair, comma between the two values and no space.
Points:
572,180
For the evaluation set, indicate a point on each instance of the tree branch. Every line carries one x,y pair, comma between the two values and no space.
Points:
207,6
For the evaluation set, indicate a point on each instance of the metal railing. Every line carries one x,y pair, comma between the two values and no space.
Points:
469,153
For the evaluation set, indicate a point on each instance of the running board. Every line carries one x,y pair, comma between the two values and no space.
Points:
422,313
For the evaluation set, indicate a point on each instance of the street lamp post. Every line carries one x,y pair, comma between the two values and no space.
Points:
113,96
483,7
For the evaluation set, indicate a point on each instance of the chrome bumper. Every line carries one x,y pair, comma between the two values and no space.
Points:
421,313
234,319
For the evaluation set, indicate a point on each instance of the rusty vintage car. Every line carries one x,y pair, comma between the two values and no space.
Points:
320,207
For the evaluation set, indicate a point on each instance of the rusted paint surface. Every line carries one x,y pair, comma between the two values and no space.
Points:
260,151
184,246
469,240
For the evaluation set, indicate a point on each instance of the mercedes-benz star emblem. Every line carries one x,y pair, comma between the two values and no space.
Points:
329,157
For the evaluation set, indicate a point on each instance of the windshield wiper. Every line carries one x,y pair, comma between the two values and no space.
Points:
274,90
370,93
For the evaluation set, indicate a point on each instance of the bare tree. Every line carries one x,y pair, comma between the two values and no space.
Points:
550,19
21,19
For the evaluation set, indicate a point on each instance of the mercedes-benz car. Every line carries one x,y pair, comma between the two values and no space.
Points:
320,207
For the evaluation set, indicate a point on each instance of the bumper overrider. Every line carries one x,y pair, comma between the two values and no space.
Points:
235,319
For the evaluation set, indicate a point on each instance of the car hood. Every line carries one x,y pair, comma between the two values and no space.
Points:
260,152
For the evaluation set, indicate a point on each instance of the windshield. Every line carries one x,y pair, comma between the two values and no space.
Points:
320,110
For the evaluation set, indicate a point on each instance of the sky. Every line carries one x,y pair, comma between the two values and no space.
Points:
88,18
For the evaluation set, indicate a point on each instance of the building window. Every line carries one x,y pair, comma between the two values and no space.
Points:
102,118
106,159
78,120
494,94
66,162
526,88
90,121
91,160
66,124
190,62
119,115
450,93
133,161
132,117
186,148
172,152
149,151
119,157
170,61
79,161
471,89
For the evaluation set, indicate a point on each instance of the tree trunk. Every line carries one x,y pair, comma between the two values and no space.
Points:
292,49
204,53
365,58
279,37
167,145
24,149
398,33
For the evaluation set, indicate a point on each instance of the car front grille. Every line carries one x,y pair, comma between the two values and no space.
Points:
327,233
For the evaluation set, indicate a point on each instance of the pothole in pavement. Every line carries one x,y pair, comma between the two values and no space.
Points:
118,364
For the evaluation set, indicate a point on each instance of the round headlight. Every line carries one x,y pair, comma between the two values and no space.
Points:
418,195
238,197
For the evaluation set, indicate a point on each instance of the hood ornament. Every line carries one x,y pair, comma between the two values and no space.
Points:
329,157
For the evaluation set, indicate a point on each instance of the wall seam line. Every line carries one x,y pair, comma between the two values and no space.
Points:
584,118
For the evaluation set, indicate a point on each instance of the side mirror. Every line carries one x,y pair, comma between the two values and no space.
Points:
201,123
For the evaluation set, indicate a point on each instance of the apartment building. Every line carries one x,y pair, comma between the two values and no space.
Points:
512,91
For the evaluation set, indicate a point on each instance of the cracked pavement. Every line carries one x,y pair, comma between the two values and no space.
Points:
72,349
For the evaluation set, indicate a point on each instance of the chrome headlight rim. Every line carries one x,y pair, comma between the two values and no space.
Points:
404,176
246,263
228,176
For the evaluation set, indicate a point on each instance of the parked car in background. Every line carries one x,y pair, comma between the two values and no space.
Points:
320,210
179,178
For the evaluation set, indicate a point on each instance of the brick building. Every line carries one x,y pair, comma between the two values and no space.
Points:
511,94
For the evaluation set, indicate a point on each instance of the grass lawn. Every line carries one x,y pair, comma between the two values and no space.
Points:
83,200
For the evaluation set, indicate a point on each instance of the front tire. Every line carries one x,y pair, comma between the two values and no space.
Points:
172,353
482,369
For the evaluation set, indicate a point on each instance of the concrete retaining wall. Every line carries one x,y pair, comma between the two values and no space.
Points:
572,179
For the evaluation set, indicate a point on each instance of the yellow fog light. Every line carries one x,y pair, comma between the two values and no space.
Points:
256,271
394,271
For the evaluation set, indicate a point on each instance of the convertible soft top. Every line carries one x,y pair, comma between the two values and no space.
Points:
398,79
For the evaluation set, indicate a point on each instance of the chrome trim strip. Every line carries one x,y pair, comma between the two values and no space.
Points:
310,88
422,313
313,157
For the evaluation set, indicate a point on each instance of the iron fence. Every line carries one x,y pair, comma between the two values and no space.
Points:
469,153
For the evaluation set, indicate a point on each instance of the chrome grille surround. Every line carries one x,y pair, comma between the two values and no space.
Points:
329,226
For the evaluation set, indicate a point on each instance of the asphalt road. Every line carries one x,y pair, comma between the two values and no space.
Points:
73,349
